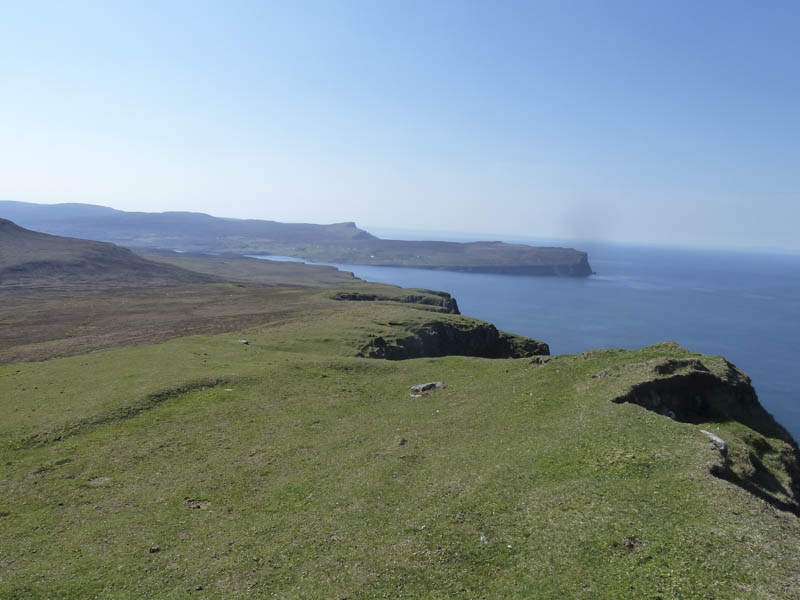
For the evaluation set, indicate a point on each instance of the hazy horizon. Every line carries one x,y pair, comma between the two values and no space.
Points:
661,123
421,234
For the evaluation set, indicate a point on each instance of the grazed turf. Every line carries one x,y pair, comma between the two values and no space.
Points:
288,468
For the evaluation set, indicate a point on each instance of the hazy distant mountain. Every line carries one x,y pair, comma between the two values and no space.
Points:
337,243
184,230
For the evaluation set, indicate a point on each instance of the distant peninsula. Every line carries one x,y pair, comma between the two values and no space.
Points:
336,243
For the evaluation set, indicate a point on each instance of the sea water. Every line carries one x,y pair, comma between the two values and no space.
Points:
742,305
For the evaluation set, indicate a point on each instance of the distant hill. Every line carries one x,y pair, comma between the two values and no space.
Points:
188,231
337,243
37,259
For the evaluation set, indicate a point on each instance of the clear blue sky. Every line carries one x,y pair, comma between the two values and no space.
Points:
667,122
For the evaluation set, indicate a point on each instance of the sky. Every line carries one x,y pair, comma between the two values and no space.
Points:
667,122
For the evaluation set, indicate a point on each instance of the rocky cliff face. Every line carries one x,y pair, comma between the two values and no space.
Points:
579,268
445,338
712,390
689,391
438,301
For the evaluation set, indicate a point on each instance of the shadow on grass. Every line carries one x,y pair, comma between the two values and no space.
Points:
687,391
148,402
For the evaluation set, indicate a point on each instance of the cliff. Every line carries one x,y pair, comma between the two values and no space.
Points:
431,299
452,338
705,389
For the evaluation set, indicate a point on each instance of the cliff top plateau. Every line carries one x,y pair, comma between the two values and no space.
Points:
265,430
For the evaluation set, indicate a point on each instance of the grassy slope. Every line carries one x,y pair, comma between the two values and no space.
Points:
289,468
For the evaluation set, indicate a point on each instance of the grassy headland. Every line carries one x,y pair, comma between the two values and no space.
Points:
291,466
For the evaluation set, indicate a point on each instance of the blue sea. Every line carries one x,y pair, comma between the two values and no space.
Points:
742,305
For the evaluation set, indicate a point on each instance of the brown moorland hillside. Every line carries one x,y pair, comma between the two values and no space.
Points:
32,259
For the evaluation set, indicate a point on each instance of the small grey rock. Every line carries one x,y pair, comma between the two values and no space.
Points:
424,387
717,442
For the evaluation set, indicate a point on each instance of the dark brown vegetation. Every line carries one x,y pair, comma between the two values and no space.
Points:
242,269
49,323
30,259
63,296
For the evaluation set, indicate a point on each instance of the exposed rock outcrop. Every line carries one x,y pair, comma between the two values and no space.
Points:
717,442
460,338
764,461
687,390
438,301
425,387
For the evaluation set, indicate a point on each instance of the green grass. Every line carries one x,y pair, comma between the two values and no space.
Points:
288,468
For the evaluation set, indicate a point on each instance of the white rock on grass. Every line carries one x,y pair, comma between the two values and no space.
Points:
424,387
717,442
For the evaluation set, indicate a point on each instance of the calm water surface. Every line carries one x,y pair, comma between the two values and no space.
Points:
744,306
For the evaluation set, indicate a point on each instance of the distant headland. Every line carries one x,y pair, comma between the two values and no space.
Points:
336,243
